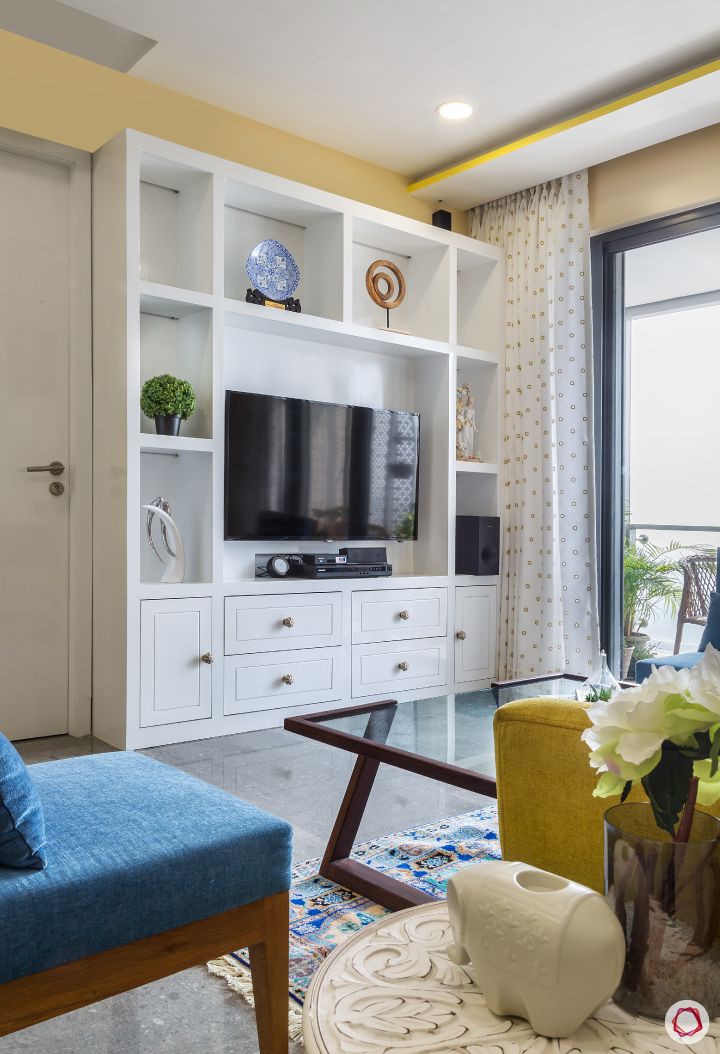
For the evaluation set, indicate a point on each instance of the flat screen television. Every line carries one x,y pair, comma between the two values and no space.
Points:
297,469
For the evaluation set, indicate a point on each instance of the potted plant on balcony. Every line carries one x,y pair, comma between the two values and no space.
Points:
169,400
650,585
662,856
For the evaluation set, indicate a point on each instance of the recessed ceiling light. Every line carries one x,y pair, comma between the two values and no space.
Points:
454,111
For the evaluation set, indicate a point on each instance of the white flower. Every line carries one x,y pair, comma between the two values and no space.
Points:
705,681
628,730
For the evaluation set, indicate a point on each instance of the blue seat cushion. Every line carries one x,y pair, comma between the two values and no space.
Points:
134,847
711,633
22,827
644,667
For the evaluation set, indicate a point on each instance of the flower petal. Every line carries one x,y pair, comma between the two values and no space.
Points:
636,747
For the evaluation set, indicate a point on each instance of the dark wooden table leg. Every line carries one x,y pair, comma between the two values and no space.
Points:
337,866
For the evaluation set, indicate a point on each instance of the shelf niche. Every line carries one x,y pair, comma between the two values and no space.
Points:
476,494
312,234
181,345
483,380
424,264
185,481
254,361
479,291
175,225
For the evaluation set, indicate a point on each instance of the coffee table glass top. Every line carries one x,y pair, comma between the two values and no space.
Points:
454,729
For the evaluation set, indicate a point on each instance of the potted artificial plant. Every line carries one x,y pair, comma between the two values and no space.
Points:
650,583
169,400
662,857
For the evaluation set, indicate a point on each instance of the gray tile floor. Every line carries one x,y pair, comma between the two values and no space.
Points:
292,777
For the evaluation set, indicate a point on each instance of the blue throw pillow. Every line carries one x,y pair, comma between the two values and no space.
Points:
711,633
22,826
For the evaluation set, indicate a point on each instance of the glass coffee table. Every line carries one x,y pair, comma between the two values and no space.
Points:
448,738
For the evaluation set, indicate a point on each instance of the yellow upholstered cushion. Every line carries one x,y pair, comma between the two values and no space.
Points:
548,816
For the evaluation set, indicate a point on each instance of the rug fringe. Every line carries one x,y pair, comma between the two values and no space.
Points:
239,979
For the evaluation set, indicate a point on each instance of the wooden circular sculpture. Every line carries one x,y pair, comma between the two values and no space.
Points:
392,293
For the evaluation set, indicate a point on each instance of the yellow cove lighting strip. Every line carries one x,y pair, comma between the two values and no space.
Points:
571,122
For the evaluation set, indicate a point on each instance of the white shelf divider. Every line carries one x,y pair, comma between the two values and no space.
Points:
167,300
298,326
159,444
482,468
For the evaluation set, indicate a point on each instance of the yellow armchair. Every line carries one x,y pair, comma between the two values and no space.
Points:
548,816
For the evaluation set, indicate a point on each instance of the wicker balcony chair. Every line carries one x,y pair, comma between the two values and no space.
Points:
699,574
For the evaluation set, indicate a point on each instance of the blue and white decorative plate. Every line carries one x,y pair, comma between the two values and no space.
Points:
272,270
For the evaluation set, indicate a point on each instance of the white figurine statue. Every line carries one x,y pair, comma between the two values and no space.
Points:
544,948
465,425
175,568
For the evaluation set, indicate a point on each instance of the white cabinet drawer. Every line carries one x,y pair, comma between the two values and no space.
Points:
264,682
475,633
398,614
280,621
175,682
398,667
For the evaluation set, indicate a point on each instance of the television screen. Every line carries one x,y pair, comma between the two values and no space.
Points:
299,469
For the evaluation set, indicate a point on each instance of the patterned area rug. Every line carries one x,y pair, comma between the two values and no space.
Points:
323,914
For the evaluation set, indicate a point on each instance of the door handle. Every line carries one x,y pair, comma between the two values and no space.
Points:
55,468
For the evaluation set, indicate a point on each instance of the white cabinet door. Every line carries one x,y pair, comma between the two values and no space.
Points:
398,614
266,682
175,682
475,633
398,666
280,621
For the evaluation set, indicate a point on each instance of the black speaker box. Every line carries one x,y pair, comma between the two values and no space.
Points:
443,219
477,545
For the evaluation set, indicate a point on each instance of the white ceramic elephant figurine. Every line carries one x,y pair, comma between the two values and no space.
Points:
543,948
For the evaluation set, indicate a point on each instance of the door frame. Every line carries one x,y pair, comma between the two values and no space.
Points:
79,478
608,319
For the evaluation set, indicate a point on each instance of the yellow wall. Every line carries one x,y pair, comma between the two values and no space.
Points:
56,96
669,177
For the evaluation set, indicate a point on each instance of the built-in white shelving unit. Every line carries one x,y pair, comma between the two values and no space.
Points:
172,231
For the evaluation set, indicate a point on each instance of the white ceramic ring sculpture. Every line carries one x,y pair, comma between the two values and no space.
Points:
175,567
544,948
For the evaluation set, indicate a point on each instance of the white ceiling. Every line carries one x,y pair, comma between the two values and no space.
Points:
364,76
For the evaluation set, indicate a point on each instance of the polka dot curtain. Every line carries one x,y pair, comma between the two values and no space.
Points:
548,617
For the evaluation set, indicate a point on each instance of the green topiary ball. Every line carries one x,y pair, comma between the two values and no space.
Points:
168,396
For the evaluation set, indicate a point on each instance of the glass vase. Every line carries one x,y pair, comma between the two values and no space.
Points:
667,897
600,684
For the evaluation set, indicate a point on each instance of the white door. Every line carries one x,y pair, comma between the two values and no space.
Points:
175,661
475,633
37,295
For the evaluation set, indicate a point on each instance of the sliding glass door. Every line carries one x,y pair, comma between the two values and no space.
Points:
657,353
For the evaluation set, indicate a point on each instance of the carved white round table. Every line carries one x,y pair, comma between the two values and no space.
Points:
390,989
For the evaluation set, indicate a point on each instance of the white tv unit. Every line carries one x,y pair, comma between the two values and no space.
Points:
225,652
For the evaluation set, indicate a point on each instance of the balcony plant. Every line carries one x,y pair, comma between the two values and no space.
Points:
662,857
650,585
169,400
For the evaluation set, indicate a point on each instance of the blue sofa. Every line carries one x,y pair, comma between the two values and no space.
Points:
149,871
711,635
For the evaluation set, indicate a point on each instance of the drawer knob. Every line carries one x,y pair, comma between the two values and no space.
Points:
403,666
287,678
207,657
289,622
404,615
461,634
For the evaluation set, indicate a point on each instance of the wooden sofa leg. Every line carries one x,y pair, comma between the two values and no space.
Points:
269,964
